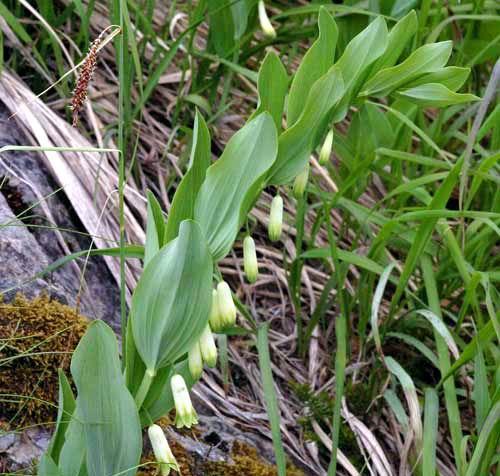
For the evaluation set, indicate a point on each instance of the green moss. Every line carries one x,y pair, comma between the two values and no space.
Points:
246,461
36,338
359,397
320,408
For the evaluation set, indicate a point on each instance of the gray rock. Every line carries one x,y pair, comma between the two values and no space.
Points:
28,245
21,450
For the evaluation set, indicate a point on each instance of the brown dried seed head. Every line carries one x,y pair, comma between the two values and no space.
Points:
82,84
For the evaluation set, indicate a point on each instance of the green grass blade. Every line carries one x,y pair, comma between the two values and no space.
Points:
271,397
431,420
444,362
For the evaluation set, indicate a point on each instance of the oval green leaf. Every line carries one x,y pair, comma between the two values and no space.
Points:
107,411
426,59
297,143
171,302
185,196
435,95
316,62
221,201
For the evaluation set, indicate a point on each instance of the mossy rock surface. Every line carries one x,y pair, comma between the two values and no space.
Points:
243,460
37,337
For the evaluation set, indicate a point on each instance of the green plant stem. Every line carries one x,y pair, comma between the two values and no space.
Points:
147,380
341,350
121,45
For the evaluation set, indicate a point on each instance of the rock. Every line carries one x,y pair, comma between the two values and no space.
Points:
21,257
21,450
28,245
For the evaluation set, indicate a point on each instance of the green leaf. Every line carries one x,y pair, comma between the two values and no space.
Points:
409,157
185,196
165,318
411,398
397,40
377,299
370,128
15,24
64,413
155,228
426,59
452,77
397,407
273,86
270,397
348,256
431,420
435,95
491,428
73,453
222,202
480,393
441,328
485,335
418,344
315,63
414,185
240,11
134,366
160,399
47,467
425,230
297,142
222,29
106,409
361,52
402,7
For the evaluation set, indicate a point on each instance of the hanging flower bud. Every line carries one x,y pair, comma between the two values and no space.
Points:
208,348
265,23
275,219
216,321
227,308
250,263
300,183
185,414
195,361
326,148
161,450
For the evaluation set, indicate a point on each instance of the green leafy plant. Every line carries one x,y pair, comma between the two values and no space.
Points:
99,432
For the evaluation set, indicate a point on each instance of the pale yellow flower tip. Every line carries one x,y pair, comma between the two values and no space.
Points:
161,450
208,348
265,23
250,263
195,361
227,309
300,183
275,219
185,414
326,148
